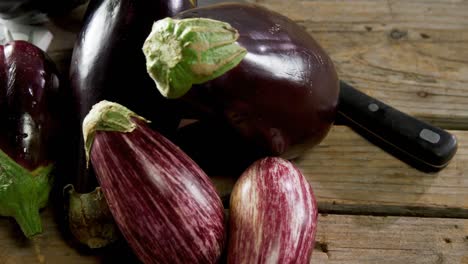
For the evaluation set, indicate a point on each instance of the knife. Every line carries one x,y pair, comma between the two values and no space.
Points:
421,145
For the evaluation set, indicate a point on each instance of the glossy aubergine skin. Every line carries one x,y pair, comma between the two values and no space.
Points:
283,94
29,104
107,63
32,121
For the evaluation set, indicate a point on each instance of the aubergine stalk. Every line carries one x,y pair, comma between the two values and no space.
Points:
165,206
29,114
273,215
107,64
264,75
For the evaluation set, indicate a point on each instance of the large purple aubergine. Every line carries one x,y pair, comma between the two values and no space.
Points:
283,95
30,107
273,215
107,63
164,204
284,91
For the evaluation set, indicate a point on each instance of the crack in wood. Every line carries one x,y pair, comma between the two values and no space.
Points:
390,9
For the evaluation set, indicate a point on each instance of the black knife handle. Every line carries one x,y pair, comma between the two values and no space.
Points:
416,142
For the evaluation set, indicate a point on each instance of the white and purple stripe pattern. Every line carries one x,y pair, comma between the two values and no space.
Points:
164,204
273,215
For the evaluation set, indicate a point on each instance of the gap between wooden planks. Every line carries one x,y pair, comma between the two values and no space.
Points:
368,239
351,176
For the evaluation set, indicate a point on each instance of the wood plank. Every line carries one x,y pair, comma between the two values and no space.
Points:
409,54
367,239
53,246
340,239
350,175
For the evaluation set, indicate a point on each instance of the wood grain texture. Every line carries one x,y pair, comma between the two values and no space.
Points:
350,175
340,239
409,54
367,239
50,246
54,247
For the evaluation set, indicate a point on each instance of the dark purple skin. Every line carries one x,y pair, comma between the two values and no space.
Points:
108,64
283,93
29,104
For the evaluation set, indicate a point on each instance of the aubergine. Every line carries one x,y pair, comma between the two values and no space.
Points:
164,204
107,63
282,93
273,215
30,107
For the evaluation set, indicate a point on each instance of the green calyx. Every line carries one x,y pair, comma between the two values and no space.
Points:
180,53
23,193
107,116
90,219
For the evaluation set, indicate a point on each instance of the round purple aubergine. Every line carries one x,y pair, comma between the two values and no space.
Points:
30,135
28,104
284,93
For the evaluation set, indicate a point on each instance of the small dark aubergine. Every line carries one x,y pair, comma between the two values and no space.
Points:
107,63
30,107
282,93
166,207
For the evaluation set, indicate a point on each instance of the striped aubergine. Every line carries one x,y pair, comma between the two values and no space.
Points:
165,206
273,215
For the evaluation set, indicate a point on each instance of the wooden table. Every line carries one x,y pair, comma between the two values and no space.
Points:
374,209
